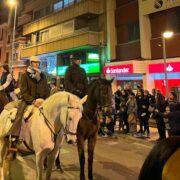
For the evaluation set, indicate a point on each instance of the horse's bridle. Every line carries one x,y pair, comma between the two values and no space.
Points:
100,102
51,127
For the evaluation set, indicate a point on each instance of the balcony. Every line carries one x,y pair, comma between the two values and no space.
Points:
24,19
84,7
78,39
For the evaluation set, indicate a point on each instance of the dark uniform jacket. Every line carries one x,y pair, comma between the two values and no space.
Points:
32,89
10,88
76,80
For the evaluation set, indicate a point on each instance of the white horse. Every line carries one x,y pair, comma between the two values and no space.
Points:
45,129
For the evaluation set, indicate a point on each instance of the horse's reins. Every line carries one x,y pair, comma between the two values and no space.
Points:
51,127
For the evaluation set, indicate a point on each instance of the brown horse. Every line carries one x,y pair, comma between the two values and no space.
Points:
3,100
99,94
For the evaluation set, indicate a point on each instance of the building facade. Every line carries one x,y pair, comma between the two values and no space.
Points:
56,30
139,43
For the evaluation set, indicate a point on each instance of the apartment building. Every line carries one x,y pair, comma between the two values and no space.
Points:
56,30
127,66
6,32
139,49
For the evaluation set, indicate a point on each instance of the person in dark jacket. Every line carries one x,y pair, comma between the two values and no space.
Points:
174,119
75,79
33,85
160,105
7,83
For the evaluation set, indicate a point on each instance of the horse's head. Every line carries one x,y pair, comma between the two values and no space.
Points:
73,112
104,95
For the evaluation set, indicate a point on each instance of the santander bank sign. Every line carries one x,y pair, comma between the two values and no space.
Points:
119,69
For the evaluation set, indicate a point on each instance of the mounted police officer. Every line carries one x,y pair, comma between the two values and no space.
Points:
75,83
33,85
76,79
7,83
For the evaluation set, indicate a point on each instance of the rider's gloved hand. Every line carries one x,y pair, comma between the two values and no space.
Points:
38,102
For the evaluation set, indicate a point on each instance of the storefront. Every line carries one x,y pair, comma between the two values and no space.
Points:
55,64
131,73
156,71
90,62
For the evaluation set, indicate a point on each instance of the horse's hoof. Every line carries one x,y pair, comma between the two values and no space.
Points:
82,178
90,178
60,169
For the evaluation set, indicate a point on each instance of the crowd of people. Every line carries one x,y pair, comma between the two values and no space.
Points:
133,109
128,108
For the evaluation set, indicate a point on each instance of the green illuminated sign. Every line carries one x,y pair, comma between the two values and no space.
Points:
93,57
91,68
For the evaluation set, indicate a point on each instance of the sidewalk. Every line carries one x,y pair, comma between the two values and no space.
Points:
153,134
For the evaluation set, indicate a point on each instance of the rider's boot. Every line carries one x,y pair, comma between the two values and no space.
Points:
12,149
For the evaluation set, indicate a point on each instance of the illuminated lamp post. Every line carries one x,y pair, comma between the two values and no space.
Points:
14,4
165,35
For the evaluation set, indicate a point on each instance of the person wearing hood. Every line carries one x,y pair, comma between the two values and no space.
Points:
33,86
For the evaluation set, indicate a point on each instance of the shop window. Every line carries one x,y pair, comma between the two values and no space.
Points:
133,31
58,5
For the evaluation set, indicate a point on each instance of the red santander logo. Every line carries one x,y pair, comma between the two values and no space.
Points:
119,69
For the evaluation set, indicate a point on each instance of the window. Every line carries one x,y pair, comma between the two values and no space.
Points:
7,57
68,3
0,54
133,31
178,19
172,22
58,5
1,34
41,12
44,35
9,39
68,27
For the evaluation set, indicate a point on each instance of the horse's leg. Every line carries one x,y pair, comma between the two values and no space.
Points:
53,155
50,161
80,145
2,155
91,145
40,157
58,163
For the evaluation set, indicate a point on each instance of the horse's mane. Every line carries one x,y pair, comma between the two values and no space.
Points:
154,163
56,98
97,81
92,84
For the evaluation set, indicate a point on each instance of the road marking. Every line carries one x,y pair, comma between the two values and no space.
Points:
143,145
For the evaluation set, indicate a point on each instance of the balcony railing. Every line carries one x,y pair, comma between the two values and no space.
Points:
78,9
78,39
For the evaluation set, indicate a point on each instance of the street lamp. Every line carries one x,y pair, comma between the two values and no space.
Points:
166,35
14,4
